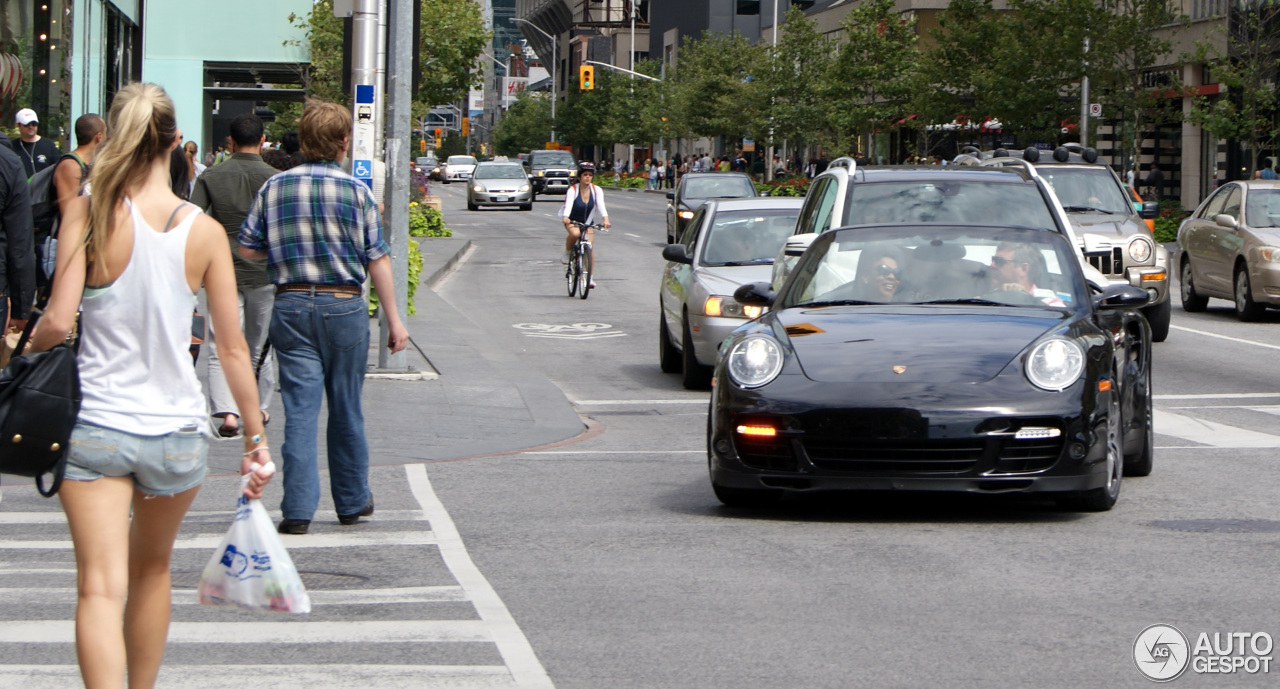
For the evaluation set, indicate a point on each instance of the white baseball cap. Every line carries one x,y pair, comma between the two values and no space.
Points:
27,116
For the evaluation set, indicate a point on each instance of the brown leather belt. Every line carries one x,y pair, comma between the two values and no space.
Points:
352,290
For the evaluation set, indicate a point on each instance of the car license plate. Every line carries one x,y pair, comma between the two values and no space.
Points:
500,199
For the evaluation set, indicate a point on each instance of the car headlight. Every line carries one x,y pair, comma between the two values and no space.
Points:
1140,249
1271,254
754,361
1055,364
684,215
541,173
524,187
478,189
728,307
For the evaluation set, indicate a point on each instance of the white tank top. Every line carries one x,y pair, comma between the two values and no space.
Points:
136,373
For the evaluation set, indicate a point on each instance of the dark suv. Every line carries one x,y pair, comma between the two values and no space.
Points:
551,172
1110,231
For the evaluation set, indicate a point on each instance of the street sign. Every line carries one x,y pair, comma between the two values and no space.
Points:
1095,110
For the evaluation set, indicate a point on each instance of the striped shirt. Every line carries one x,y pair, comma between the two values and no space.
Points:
317,224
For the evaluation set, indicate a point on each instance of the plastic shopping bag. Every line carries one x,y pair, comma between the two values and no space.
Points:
251,569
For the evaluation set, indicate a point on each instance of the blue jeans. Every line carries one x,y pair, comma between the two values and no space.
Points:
322,346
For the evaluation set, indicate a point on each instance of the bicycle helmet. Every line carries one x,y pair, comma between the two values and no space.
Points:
586,167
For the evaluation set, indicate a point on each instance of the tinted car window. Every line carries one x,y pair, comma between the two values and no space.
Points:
937,265
1232,206
952,201
552,159
748,236
718,187
1086,187
1263,208
499,172
691,230
462,160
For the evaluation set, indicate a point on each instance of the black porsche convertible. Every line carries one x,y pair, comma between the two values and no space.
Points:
935,357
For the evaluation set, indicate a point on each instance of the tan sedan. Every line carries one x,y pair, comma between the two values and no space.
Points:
1230,249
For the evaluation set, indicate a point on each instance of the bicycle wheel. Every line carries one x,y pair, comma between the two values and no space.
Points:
570,276
584,274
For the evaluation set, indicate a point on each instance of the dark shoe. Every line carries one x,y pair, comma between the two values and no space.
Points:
297,527
350,519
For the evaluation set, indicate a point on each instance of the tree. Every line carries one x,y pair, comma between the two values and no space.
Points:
876,72
715,91
788,74
584,118
1248,110
526,126
636,106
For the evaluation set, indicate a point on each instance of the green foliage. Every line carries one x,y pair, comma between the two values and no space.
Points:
796,187
876,72
715,91
1167,223
415,276
425,221
525,126
636,106
801,60
583,118
453,144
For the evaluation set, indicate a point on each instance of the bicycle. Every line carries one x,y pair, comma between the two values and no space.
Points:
577,274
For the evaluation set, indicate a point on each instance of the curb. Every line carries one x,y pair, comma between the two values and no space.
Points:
431,281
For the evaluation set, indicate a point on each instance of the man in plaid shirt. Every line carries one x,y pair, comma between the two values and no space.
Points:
319,231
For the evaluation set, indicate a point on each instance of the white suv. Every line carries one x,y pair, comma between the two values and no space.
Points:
458,169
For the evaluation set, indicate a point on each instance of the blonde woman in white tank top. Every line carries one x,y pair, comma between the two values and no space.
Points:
133,256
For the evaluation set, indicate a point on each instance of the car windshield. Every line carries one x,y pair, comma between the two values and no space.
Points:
424,161
939,264
728,187
498,172
1263,208
952,201
747,237
1087,189
462,160
553,159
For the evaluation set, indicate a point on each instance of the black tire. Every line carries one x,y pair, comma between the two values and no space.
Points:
1191,302
668,355
1247,309
526,207
696,376
1141,462
585,264
1159,316
1104,498
746,497
571,273
472,206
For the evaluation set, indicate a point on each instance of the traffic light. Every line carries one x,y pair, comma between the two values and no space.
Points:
466,126
422,145
586,78
438,137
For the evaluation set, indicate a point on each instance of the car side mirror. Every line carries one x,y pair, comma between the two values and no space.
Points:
676,253
1150,210
1224,220
755,294
1121,297
671,195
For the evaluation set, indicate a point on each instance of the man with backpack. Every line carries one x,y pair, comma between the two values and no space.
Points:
56,186
17,283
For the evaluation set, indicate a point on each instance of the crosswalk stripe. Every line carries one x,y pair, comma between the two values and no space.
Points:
260,632
1210,432
362,539
321,598
310,676
224,516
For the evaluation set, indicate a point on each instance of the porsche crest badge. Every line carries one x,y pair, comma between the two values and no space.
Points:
899,369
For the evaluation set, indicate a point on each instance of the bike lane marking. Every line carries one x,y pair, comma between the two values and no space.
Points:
512,644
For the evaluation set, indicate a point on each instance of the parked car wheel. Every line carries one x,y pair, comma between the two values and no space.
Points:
472,206
1247,309
1191,302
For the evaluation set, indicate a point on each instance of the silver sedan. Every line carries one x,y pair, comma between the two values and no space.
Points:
499,184
726,244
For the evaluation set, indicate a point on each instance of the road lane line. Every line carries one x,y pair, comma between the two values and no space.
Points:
617,452
260,632
396,596
515,649
1216,396
318,676
1209,432
365,539
588,403
633,235
57,517
1224,337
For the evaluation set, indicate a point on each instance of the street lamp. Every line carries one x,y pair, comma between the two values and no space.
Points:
553,71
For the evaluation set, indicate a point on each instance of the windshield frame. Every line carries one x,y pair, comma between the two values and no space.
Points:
539,159
450,161
481,168
745,181
1067,261
1048,171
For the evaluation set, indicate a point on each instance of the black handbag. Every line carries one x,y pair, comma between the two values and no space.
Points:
39,403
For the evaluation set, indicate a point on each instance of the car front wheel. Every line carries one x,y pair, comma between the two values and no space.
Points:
1104,498
668,355
1159,316
696,376
1247,309
1191,302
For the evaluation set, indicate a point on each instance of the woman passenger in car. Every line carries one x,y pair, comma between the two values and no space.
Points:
879,276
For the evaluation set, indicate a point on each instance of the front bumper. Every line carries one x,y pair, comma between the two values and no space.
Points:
550,185
708,333
1264,281
1153,277
457,176
915,437
510,198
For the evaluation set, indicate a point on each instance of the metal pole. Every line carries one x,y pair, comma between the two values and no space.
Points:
1084,98
768,156
365,118
396,192
379,82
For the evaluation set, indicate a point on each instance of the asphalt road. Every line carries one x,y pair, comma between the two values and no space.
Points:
606,561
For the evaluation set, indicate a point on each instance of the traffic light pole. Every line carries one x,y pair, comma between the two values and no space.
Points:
399,118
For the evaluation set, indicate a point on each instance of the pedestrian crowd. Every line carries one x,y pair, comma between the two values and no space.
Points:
281,240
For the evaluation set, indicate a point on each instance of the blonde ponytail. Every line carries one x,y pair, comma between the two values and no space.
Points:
140,126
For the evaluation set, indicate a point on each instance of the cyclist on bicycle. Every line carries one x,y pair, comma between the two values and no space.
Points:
583,203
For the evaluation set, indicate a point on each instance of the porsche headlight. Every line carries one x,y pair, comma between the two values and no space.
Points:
524,187
1140,249
754,361
1055,364
478,189
684,215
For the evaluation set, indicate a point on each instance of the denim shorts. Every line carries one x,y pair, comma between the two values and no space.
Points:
160,465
